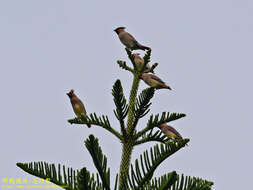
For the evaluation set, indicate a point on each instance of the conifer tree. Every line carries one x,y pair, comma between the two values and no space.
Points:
138,175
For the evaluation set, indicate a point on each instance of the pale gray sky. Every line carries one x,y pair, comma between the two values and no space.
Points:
204,51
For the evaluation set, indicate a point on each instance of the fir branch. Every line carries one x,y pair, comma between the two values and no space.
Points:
93,119
85,181
167,181
152,68
142,104
173,181
162,183
155,121
48,172
149,162
146,60
123,65
131,57
116,182
191,183
158,136
99,160
121,106
147,57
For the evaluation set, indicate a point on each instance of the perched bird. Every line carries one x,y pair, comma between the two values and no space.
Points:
139,62
153,81
170,131
77,105
128,40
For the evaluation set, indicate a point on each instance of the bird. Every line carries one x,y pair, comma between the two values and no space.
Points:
128,40
139,61
170,131
153,81
77,105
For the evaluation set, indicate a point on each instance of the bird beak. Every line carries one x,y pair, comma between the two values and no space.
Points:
116,31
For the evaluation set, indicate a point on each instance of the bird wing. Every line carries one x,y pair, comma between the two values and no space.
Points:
78,107
129,37
157,79
174,131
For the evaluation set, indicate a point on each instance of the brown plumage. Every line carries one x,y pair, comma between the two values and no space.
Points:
77,105
153,81
170,131
139,62
128,40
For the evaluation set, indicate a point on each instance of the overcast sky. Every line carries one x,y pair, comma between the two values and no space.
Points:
204,51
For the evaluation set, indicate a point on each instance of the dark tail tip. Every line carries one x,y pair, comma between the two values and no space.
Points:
89,125
144,47
147,48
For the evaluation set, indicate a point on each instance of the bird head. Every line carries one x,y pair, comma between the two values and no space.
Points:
136,54
119,29
162,125
71,93
144,76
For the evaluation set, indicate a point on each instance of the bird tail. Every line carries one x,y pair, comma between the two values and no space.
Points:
143,47
165,86
89,125
169,88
